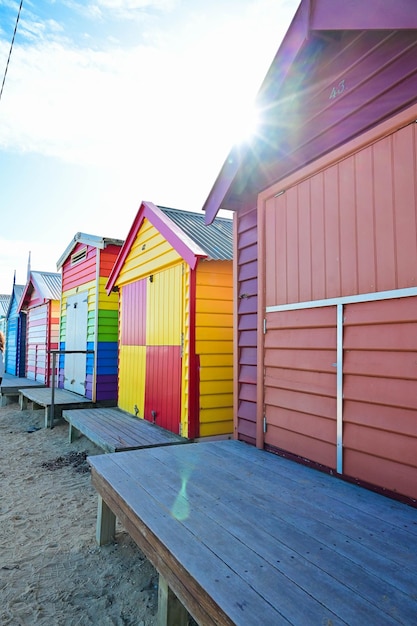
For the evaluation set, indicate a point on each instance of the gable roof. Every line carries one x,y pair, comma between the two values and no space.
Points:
15,297
4,304
46,284
89,240
185,231
216,240
290,134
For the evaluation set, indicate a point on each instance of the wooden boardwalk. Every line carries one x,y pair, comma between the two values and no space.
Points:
244,537
43,398
10,386
113,430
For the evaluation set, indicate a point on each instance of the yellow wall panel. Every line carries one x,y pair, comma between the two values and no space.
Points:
222,360
132,371
216,422
149,254
213,374
214,345
164,308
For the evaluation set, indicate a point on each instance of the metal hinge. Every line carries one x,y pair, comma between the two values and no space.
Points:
265,326
265,425
182,345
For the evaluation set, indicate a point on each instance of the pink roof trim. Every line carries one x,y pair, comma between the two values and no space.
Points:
180,241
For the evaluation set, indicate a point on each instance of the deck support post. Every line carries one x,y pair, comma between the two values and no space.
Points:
106,523
73,433
170,610
23,402
47,416
3,400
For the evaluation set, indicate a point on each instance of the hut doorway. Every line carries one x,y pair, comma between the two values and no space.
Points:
76,339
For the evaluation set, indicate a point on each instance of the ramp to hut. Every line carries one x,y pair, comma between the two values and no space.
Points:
10,386
43,398
113,430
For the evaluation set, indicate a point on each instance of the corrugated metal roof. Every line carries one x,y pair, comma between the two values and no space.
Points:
4,304
216,239
48,284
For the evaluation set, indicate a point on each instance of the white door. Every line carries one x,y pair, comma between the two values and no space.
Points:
76,339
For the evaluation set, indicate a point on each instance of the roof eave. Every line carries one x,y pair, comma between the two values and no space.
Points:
284,58
312,17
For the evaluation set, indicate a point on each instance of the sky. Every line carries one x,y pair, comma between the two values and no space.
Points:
107,103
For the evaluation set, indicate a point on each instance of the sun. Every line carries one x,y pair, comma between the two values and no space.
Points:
244,122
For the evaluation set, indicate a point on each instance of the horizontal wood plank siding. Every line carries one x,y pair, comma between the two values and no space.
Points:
300,383
214,345
82,272
108,258
247,307
150,252
380,382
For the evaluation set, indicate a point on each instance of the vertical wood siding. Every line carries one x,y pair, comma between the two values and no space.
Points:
247,307
132,373
349,229
133,326
300,383
164,307
214,346
380,382
163,386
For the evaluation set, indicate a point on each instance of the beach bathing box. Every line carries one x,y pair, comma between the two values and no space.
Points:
174,277
89,318
4,307
40,301
326,234
15,335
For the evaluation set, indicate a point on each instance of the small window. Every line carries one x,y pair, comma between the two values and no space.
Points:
78,256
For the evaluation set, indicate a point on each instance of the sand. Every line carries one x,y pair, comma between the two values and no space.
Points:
52,572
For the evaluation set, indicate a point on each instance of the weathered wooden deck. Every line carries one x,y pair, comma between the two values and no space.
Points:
43,398
10,386
113,430
245,537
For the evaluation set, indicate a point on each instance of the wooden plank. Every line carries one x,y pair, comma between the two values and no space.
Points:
330,577
114,430
43,397
236,549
